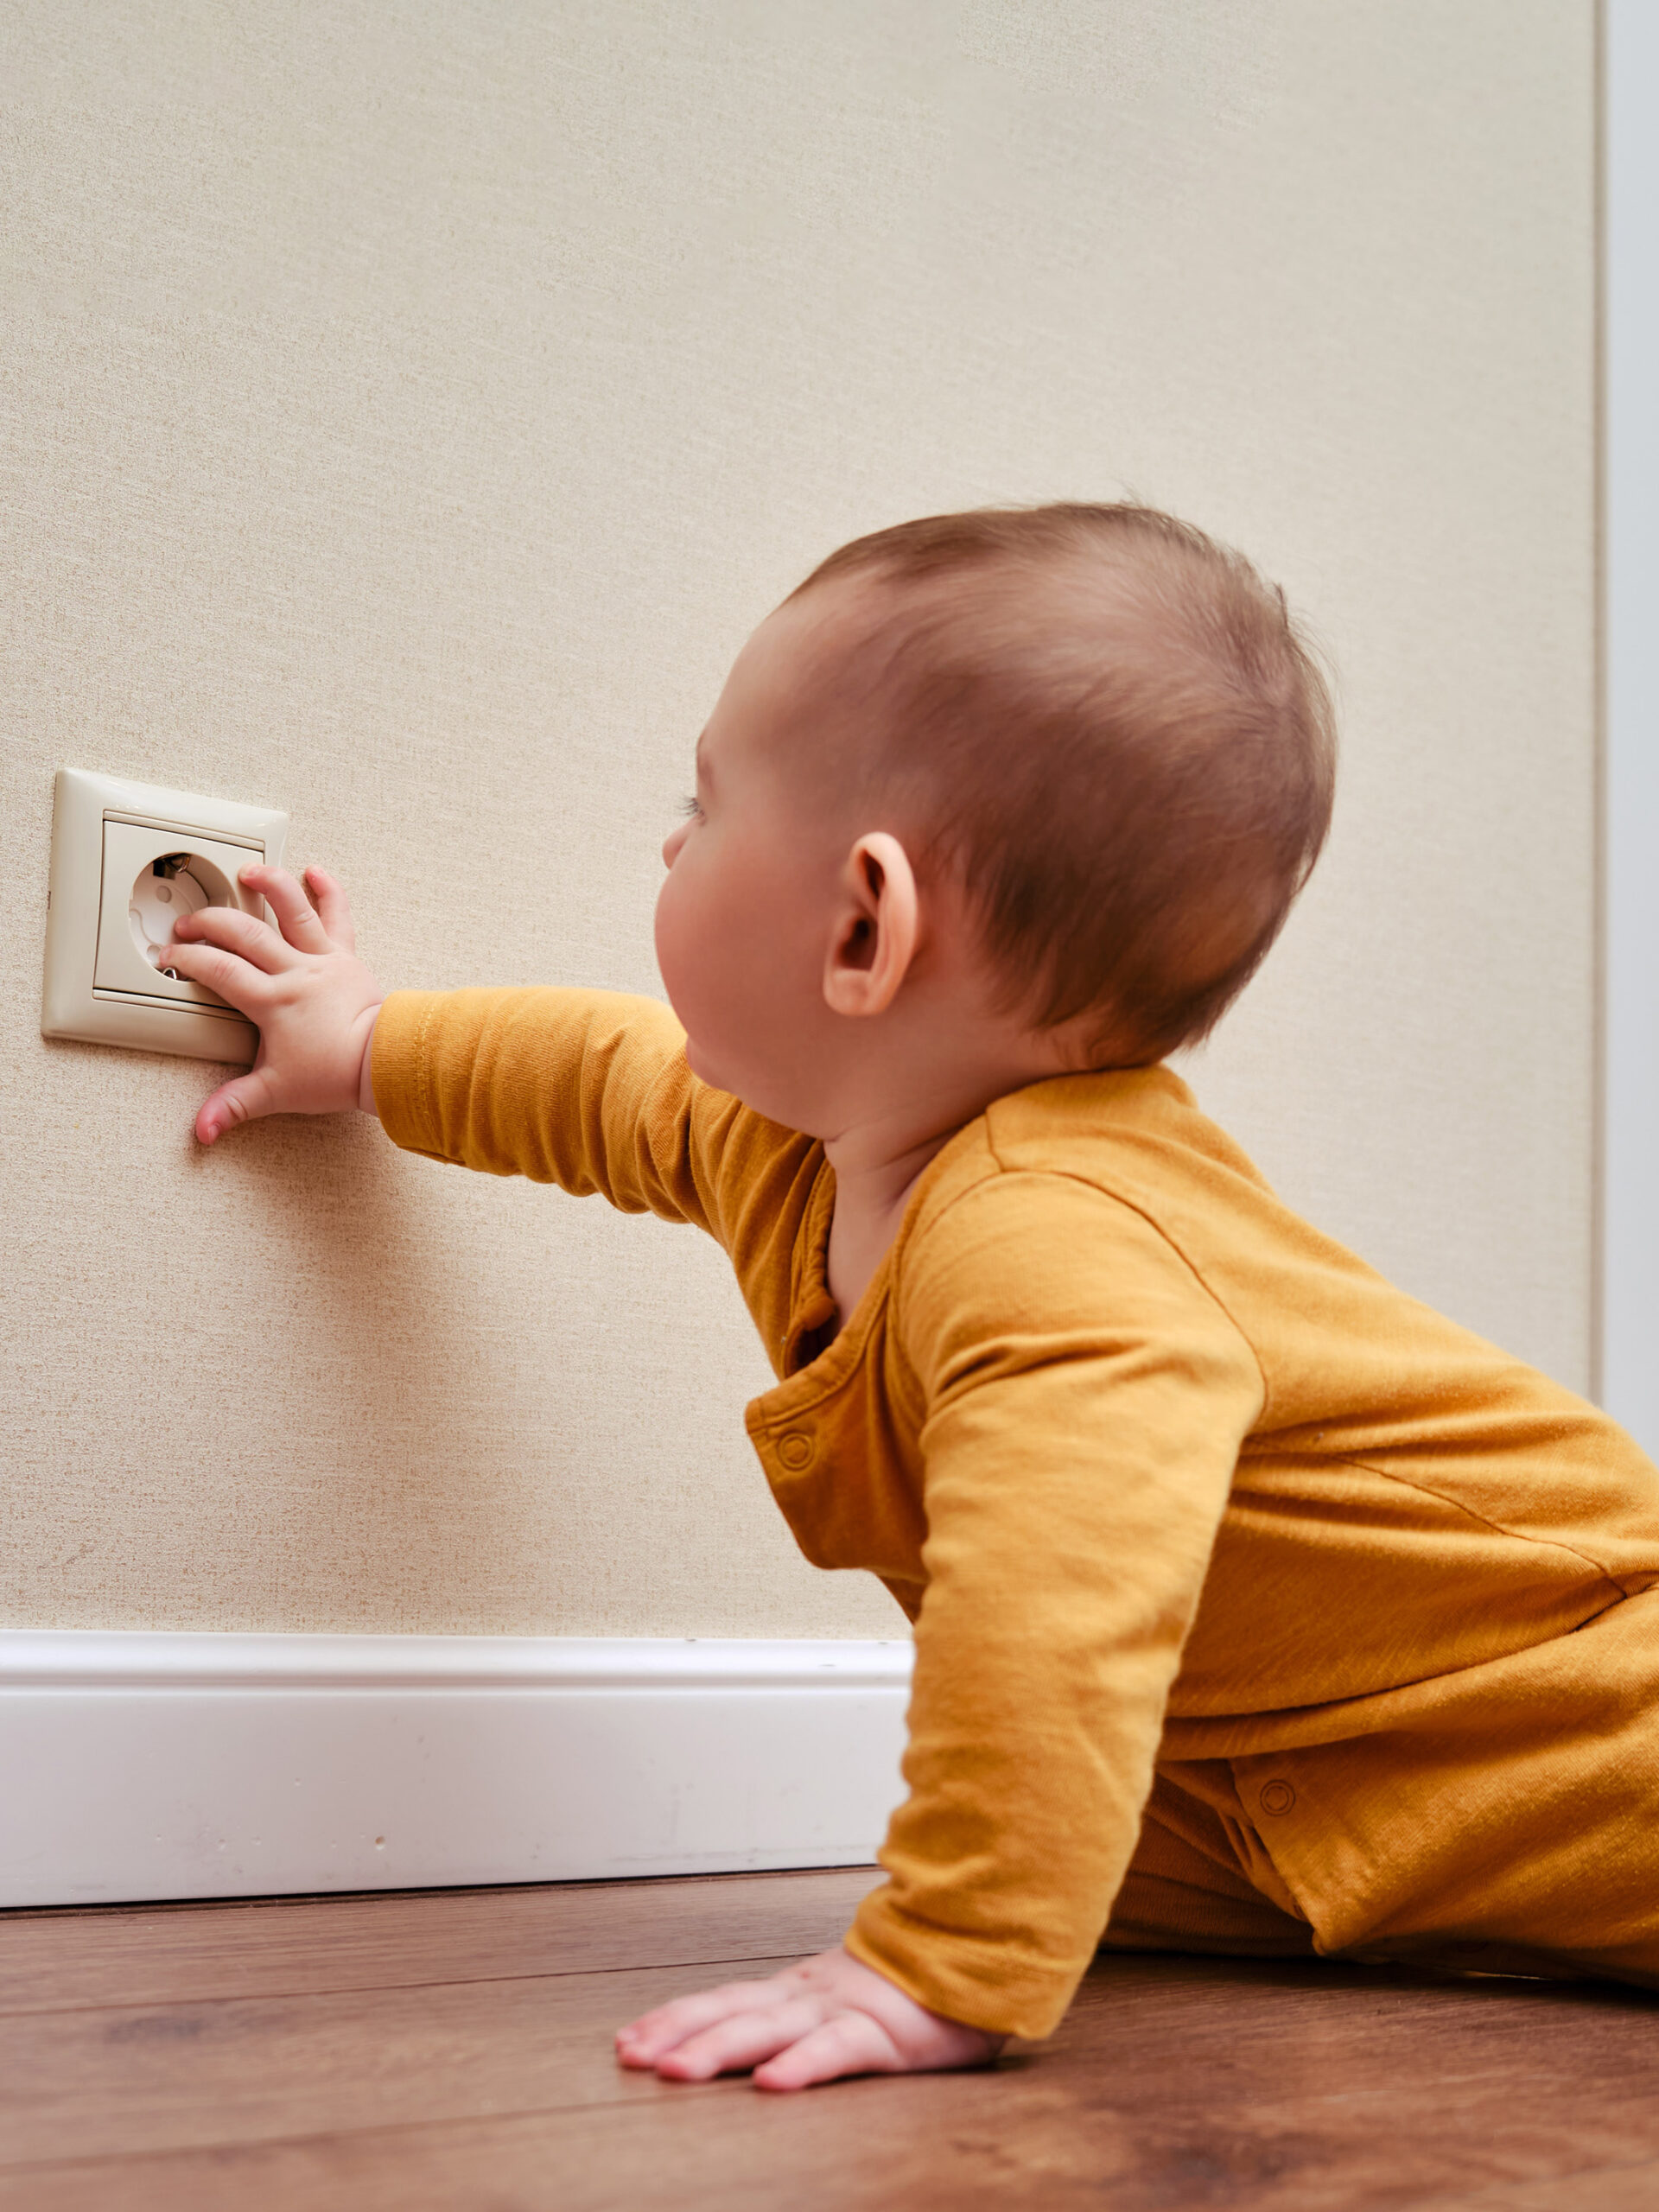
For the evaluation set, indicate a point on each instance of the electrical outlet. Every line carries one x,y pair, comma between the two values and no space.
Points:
127,860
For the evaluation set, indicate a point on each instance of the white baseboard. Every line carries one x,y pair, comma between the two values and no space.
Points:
136,1765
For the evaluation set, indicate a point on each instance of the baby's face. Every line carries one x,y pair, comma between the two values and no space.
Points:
742,919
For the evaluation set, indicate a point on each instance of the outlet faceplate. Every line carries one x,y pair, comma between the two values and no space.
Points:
124,856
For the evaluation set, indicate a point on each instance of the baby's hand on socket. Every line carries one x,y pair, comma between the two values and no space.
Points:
829,2017
313,1000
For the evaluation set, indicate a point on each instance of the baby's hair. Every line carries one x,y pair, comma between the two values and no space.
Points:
1109,727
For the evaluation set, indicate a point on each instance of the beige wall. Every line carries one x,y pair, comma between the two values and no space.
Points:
408,410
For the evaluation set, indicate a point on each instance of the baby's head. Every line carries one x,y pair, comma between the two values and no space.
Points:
992,796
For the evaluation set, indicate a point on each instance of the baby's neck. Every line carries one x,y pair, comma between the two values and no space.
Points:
873,1187
900,1125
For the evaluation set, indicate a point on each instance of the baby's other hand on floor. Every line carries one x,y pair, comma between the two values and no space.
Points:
302,983
829,2017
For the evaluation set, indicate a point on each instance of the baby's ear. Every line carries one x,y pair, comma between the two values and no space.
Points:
872,938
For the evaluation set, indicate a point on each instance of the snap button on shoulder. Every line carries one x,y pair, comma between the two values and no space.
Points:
795,1449
1276,1797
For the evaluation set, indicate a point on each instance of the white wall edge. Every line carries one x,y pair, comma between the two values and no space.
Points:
146,1765
1629,1289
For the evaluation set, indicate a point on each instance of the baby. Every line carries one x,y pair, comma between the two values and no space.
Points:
1258,1609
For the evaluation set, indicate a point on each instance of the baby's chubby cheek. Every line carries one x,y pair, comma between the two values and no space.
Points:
734,991
701,963
726,1044
683,963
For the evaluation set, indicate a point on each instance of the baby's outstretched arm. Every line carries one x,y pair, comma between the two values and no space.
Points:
302,984
829,2017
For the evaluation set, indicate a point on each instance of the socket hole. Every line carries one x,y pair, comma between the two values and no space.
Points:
171,885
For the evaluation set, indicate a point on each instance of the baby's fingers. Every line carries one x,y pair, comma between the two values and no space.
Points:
233,931
237,983
742,2040
334,906
646,2040
299,921
852,2042
244,1098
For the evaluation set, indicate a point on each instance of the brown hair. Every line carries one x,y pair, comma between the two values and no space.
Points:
1108,726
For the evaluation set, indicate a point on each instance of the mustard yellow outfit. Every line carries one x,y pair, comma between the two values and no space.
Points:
1256,1606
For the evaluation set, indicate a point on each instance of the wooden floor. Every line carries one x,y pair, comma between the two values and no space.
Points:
450,2051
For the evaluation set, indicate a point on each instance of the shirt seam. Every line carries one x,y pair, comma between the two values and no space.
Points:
1497,1528
1116,1197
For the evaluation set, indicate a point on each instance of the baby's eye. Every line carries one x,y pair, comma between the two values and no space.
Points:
690,808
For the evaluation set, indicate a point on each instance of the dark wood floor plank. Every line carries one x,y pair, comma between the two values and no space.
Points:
1056,2131
1600,2189
1173,2082
144,2078
159,1954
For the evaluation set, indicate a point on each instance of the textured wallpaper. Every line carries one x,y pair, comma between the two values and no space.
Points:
407,412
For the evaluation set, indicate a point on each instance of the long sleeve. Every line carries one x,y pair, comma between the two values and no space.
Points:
1084,1399
590,1090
